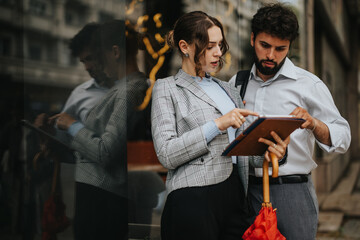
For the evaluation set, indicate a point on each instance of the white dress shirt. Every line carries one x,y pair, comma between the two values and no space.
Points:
83,98
293,87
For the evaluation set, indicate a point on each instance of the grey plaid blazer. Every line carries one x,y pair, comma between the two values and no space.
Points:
179,109
101,145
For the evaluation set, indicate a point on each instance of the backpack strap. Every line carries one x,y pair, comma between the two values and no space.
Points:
242,78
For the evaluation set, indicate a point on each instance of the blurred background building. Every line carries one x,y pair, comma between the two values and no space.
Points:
36,65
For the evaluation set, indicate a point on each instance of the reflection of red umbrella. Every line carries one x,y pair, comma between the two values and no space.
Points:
265,224
54,219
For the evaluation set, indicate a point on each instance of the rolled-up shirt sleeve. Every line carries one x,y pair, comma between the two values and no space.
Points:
75,128
325,110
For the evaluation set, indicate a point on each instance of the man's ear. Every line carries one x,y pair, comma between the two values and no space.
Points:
252,39
184,47
116,51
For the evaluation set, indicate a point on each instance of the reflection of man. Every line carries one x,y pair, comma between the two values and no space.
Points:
82,99
276,86
86,95
100,141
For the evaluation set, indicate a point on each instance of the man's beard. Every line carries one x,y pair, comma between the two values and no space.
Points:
267,70
100,77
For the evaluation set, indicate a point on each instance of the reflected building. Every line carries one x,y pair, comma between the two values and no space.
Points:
34,45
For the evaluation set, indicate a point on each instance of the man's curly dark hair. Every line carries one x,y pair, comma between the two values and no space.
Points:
82,39
277,20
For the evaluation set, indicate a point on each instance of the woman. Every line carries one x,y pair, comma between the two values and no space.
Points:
194,117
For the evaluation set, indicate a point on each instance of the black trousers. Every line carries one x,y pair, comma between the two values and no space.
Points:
99,214
215,212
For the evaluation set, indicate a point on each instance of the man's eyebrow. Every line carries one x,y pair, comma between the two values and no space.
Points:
281,46
264,42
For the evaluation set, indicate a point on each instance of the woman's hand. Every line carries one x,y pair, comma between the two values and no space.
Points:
278,147
235,118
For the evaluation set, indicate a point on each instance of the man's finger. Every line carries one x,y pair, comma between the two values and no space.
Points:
55,116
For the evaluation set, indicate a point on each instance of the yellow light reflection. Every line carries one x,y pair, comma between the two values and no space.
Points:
141,20
130,9
149,48
157,21
159,38
159,55
152,76
164,49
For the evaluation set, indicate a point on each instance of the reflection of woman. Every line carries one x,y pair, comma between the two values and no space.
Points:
100,142
194,116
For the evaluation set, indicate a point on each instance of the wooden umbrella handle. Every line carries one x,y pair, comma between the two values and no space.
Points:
266,191
275,165
275,172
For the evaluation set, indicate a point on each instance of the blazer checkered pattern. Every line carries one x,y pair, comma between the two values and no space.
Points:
179,109
101,145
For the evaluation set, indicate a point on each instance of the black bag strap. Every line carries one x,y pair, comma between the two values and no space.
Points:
242,78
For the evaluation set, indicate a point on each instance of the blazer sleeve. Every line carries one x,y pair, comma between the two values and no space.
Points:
106,148
172,149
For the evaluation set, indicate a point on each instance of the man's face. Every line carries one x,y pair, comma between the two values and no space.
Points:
270,54
92,66
111,63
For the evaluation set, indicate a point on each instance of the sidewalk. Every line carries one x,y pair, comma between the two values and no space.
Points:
339,216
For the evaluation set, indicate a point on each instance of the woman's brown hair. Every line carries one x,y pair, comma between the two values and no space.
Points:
193,27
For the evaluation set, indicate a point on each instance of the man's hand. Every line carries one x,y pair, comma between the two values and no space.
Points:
278,147
309,123
63,120
319,129
42,121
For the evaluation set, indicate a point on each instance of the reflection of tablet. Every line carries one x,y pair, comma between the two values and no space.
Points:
52,138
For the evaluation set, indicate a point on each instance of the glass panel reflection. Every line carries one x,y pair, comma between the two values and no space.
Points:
42,77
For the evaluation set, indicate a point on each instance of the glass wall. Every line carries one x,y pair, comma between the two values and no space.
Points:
40,75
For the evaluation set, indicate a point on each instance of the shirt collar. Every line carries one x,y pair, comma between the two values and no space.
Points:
92,84
206,78
288,70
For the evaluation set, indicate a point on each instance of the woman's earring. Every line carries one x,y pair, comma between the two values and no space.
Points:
186,55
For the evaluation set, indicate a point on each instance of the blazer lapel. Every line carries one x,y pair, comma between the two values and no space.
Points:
184,80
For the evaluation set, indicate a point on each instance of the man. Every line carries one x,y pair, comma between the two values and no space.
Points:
277,87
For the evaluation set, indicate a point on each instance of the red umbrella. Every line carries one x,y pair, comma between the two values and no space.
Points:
265,224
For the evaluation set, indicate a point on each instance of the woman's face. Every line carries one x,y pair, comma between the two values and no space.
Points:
210,60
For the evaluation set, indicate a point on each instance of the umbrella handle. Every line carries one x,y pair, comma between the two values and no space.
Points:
275,171
275,165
